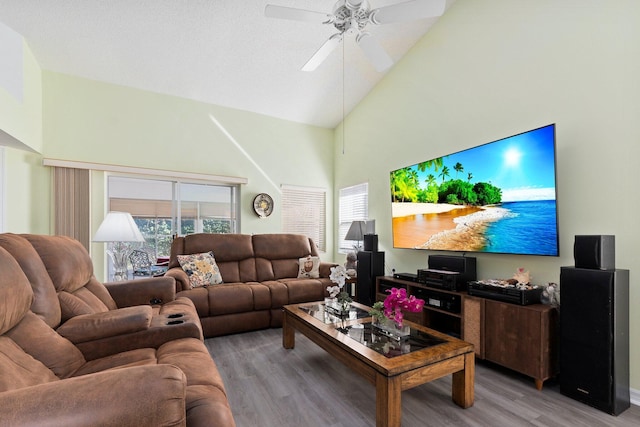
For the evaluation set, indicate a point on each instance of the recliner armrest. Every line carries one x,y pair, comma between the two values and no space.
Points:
153,290
119,397
90,327
325,268
181,278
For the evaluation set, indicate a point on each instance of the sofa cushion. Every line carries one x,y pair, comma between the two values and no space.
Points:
16,294
201,269
44,344
45,302
238,298
282,246
277,255
79,303
67,261
309,267
227,247
18,369
125,359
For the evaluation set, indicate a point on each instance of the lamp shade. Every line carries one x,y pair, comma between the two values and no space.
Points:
118,227
356,231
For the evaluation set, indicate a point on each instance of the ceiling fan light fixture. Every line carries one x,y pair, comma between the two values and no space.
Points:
351,17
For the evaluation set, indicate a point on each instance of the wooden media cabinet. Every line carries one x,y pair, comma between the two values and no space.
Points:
519,337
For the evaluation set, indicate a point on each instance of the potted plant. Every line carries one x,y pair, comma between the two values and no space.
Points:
338,297
388,315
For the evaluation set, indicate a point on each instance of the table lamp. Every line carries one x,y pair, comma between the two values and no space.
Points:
356,232
119,229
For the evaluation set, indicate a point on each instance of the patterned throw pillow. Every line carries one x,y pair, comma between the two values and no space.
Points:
309,267
201,269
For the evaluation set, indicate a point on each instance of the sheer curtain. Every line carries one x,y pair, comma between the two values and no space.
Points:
71,203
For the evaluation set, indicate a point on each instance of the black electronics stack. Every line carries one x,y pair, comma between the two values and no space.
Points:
464,266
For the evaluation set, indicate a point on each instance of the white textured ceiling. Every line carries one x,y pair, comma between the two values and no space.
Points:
222,52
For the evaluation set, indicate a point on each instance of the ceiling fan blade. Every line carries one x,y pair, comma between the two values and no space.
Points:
322,53
282,12
376,54
408,11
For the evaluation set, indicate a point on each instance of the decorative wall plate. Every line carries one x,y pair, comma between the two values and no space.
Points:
263,205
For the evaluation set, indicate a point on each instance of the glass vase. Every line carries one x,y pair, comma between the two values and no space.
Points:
390,328
337,308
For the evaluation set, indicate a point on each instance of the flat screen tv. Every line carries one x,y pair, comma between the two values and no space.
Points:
498,197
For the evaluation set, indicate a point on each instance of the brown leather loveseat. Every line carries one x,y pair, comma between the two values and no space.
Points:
99,319
46,380
260,275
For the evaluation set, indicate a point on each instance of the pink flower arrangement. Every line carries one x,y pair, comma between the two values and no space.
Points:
398,301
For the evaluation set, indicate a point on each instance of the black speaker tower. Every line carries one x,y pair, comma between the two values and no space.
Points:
594,329
370,266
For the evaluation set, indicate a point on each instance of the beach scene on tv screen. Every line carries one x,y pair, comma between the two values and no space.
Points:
498,197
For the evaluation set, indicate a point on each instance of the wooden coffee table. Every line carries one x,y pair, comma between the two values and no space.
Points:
442,355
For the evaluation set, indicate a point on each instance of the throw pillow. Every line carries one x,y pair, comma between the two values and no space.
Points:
201,269
309,267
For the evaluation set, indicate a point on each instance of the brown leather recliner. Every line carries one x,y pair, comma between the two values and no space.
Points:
100,320
45,380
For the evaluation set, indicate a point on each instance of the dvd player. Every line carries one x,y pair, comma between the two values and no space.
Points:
440,279
406,276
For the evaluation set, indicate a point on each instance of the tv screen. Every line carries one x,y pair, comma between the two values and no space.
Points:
498,197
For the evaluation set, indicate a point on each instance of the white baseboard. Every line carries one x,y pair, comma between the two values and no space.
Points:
635,397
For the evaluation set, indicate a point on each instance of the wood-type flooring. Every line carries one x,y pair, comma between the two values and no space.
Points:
269,386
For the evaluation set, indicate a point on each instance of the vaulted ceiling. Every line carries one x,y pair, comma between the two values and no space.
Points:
223,52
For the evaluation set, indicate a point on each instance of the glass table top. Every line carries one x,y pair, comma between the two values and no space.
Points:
369,335
332,317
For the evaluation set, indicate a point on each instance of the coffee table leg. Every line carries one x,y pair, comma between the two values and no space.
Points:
288,334
463,383
388,401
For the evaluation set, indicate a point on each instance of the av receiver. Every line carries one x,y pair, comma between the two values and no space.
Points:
441,300
440,279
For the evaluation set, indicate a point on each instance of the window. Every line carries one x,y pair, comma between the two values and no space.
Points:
163,208
353,206
304,212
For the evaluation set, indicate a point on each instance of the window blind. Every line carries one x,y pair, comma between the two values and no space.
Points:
353,205
304,212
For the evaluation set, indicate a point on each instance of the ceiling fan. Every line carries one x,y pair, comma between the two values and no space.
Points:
351,17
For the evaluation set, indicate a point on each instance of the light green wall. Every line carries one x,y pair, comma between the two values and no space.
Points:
27,183
27,192
492,68
96,122
22,119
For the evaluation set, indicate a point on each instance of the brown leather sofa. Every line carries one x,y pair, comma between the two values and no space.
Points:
260,275
99,319
46,380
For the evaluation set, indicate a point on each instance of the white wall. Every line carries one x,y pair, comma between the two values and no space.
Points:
493,68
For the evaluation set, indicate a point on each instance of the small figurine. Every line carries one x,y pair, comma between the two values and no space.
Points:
523,277
351,264
550,295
